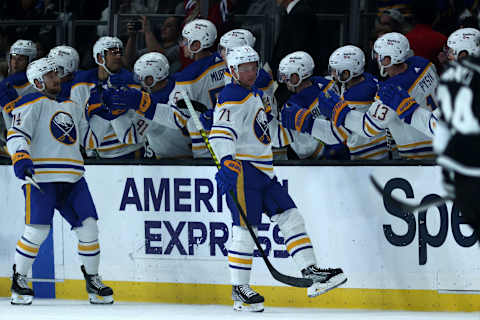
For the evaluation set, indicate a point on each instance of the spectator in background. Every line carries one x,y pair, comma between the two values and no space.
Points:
424,41
298,32
167,45
394,20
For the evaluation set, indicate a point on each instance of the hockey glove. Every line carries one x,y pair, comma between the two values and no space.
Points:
206,118
121,100
339,113
95,105
297,118
399,100
326,102
227,175
117,81
22,164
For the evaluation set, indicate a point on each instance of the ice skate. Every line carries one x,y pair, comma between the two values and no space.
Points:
98,293
22,294
324,280
246,299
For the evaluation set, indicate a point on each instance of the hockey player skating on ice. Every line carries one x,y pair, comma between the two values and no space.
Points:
44,141
240,138
457,138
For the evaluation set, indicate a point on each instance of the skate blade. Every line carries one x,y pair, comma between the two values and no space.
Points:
17,299
319,288
94,299
254,307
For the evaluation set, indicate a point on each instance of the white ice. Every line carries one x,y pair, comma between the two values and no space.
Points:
81,310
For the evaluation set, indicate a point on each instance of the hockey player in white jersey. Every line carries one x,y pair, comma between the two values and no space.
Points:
462,43
240,137
21,53
202,80
413,75
107,53
358,89
164,131
44,141
67,61
296,71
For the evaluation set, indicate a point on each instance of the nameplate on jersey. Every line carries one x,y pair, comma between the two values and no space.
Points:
62,128
260,127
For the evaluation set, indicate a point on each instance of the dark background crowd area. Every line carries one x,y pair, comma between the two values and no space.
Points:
426,19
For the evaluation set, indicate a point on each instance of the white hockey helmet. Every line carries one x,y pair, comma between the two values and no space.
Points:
152,64
394,45
236,38
239,55
102,45
201,30
347,58
66,58
38,68
24,48
300,63
466,39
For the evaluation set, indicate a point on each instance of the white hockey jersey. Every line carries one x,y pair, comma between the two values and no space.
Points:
420,80
110,146
51,132
202,80
240,128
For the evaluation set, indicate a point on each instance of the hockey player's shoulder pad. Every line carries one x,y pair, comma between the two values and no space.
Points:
86,77
128,78
320,82
161,96
264,80
364,91
417,62
29,99
233,94
194,71
18,80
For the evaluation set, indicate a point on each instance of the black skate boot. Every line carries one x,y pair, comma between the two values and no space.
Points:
21,292
98,293
324,280
246,299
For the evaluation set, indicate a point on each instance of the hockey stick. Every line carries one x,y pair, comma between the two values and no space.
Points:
406,206
29,179
292,281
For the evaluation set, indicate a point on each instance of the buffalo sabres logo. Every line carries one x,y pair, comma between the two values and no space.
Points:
62,128
260,127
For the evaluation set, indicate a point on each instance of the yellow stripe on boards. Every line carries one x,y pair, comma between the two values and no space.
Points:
341,298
